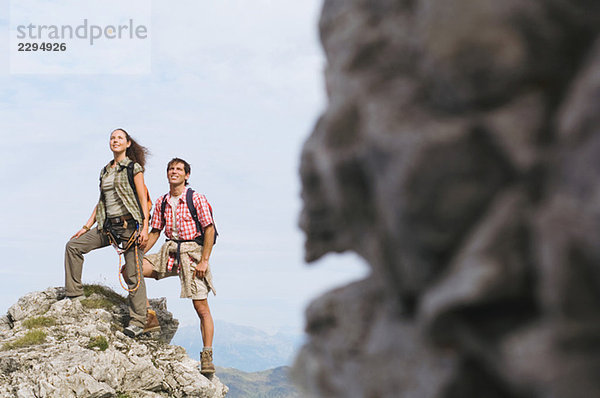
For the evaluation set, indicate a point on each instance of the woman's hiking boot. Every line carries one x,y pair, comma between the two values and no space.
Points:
152,324
206,362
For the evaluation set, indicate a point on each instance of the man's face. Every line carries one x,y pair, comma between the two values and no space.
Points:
176,174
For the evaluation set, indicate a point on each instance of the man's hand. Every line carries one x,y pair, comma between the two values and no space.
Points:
201,269
143,238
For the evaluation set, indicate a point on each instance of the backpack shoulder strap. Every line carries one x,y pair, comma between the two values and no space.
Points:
189,199
102,172
129,168
130,175
163,202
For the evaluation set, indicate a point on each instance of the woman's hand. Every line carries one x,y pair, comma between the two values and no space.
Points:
143,238
91,221
79,233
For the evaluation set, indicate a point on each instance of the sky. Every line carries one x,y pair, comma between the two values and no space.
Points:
234,87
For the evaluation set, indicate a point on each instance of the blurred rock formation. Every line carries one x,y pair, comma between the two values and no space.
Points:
459,155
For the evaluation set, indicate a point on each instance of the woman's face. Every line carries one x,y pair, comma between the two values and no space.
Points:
118,141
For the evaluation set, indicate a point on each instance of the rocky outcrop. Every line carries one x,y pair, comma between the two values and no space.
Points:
56,347
458,155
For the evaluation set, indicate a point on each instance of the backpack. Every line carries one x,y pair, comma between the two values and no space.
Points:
129,168
189,200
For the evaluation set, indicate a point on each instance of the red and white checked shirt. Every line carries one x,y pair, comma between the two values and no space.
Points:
186,226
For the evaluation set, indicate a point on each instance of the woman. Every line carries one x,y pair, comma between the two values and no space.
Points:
122,217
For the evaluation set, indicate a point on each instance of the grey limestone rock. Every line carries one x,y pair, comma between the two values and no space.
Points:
165,318
80,351
458,155
35,303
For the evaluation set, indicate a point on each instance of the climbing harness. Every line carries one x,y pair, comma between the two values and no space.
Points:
123,248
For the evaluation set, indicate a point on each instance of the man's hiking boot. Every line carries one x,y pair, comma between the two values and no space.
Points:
206,362
133,331
77,298
152,324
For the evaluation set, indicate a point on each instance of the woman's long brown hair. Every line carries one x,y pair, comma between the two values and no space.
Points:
135,152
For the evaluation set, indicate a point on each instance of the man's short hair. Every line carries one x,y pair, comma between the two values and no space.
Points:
186,166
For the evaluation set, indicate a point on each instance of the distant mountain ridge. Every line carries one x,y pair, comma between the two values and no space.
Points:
272,383
242,347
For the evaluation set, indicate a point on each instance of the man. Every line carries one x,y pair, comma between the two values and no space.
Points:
185,253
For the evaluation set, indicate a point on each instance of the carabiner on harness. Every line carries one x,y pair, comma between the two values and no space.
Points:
133,240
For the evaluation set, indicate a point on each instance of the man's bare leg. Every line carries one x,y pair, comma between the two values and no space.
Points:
147,270
207,328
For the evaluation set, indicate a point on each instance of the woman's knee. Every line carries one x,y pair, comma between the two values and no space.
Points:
72,247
